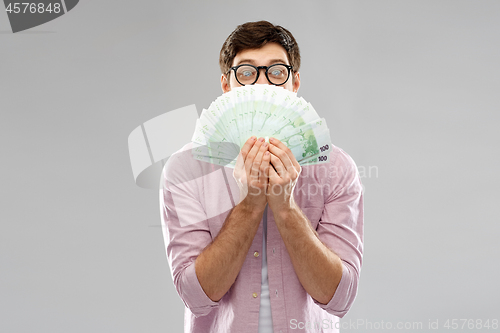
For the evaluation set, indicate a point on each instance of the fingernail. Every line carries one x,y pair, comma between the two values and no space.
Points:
261,139
271,139
266,153
264,144
253,138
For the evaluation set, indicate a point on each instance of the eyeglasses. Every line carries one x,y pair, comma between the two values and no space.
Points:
276,74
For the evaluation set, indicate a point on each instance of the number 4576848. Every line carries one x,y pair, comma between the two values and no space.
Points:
471,324
33,7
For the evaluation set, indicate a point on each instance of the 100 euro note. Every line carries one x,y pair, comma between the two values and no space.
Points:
260,110
310,144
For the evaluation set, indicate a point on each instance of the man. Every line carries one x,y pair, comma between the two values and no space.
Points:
287,253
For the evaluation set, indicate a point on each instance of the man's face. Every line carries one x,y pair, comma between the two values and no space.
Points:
269,54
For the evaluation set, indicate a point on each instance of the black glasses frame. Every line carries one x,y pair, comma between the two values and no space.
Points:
258,68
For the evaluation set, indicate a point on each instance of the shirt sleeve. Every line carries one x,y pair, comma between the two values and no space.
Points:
341,228
185,229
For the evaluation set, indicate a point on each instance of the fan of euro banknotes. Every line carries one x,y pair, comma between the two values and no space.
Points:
264,111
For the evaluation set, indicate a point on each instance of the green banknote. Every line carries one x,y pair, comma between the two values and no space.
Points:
263,111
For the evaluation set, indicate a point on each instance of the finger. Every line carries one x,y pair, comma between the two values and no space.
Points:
272,172
278,165
252,153
247,146
287,150
283,156
258,160
240,160
264,167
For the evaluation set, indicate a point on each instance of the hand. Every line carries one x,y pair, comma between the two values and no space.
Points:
251,173
282,181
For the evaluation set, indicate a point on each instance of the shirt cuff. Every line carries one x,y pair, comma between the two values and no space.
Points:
339,304
193,295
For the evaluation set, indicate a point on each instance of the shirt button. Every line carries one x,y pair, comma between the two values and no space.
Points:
256,254
254,295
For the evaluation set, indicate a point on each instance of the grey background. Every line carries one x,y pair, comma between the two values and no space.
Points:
410,87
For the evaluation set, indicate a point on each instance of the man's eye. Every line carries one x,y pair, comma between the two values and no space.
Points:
276,72
247,73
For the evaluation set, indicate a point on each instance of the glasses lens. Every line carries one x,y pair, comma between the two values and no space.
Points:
246,74
277,74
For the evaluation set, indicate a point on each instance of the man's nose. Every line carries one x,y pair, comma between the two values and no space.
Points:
262,77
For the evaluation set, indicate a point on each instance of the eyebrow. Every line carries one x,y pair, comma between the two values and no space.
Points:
252,62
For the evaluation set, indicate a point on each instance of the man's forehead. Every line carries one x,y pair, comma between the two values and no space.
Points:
268,54
258,61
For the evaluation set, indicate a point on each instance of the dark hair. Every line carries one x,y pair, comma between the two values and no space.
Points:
254,35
